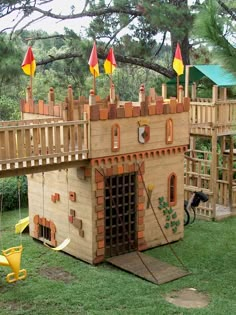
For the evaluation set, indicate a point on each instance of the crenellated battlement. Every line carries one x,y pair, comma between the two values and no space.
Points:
105,109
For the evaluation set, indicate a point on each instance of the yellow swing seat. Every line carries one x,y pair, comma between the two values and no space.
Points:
59,247
12,258
3,261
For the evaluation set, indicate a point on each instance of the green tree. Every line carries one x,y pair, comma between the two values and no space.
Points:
10,61
13,193
215,24
144,22
9,108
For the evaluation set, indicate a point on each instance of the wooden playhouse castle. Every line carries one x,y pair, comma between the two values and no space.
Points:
97,168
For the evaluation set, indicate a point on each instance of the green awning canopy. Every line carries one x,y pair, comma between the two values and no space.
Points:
215,73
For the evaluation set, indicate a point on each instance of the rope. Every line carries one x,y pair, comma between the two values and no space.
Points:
43,179
149,199
19,202
68,200
1,205
66,241
121,221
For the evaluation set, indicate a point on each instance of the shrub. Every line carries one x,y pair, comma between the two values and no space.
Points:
9,192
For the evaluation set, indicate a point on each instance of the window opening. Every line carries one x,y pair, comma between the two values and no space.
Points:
169,131
45,232
115,138
172,189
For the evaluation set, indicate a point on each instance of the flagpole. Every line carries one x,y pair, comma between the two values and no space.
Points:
177,87
111,76
31,83
94,82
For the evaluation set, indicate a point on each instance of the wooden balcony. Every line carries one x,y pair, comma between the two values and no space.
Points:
205,115
27,147
204,112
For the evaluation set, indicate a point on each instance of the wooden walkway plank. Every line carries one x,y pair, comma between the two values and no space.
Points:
148,267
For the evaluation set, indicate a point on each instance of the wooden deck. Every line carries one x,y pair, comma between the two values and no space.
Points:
42,146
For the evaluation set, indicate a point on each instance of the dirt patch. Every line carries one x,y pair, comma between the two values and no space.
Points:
56,273
13,306
188,298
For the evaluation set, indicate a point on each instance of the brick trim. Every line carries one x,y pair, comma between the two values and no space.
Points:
127,158
47,223
100,207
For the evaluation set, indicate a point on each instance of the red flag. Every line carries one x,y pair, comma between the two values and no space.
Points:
29,63
178,65
93,62
110,62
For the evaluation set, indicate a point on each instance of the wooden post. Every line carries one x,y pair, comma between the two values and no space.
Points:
187,70
194,91
214,93
141,94
214,176
164,91
28,94
230,176
192,145
181,94
86,136
112,94
223,93
70,103
92,99
51,101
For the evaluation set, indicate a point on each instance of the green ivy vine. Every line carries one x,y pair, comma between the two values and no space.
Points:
171,215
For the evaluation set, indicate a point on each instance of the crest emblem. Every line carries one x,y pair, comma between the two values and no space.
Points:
143,134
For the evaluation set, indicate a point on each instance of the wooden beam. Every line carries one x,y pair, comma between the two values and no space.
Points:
42,168
214,176
187,71
230,174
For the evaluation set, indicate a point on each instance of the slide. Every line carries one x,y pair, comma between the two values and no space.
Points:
21,225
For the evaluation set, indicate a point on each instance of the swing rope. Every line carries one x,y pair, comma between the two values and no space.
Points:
12,256
19,203
68,201
44,241
67,240
1,205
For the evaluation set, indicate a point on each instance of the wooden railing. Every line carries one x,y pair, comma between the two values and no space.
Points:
217,114
25,146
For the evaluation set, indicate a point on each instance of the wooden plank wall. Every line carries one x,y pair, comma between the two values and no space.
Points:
41,203
101,134
156,173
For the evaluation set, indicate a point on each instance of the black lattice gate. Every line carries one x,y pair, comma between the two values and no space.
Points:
120,214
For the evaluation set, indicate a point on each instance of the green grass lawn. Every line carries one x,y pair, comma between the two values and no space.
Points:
60,284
